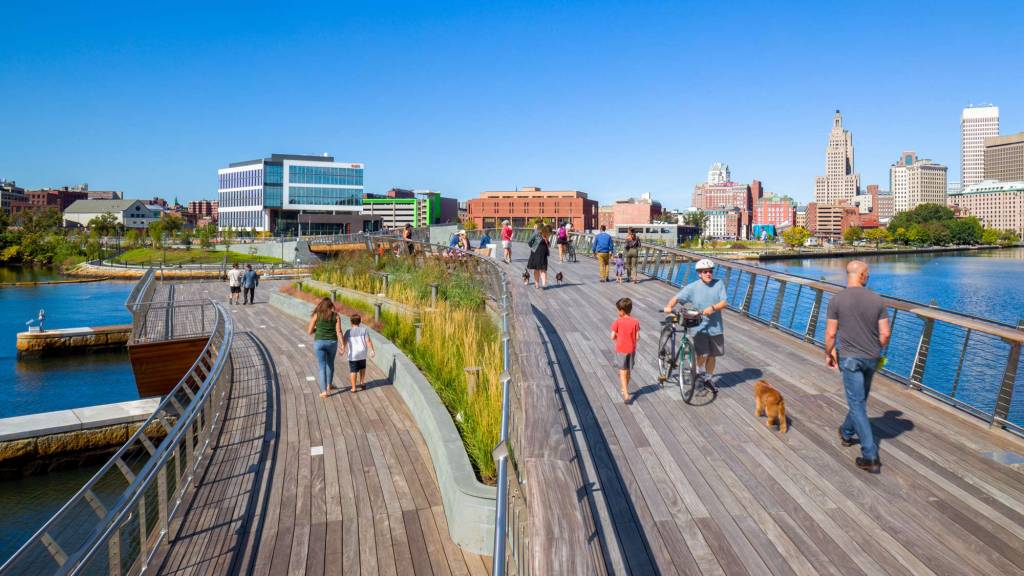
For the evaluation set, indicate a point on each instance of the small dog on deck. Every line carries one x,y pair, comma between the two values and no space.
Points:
768,401
526,277
559,278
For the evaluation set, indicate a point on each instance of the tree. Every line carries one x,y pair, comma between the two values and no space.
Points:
921,214
172,224
205,237
226,237
156,233
132,238
990,237
1008,238
965,231
104,224
469,224
796,236
853,234
698,219
878,235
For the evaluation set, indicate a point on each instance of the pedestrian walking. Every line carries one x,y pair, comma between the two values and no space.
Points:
625,332
632,255
407,237
620,268
602,249
506,241
858,317
325,328
562,239
250,280
707,294
538,261
356,343
234,283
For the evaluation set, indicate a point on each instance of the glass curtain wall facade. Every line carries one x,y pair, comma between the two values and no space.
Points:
290,194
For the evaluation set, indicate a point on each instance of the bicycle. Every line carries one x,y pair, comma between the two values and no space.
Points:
570,253
682,357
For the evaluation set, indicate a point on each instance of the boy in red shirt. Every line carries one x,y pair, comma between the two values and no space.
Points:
625,331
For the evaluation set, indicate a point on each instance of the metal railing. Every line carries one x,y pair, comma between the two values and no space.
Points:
118,520
511,540
969,362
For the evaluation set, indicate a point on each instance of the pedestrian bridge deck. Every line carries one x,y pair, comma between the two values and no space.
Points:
367,504
680,489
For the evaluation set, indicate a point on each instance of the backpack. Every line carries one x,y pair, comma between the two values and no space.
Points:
562,234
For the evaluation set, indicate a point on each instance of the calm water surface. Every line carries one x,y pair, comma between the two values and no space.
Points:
987,283
55,383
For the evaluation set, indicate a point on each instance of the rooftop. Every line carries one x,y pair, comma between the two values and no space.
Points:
99,206
992,186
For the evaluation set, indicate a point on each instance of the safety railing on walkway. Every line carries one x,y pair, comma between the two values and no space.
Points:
116,522
971,363
511,539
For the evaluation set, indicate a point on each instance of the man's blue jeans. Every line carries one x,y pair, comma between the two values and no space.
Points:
325,350
857,375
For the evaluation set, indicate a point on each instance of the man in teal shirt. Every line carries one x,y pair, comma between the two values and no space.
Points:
707,295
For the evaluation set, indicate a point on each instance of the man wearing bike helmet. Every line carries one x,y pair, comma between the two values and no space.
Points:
707,294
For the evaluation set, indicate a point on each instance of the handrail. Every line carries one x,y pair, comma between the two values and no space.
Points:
510,546
141,289
988,351
116,522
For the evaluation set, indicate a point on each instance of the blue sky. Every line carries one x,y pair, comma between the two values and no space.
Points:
612,98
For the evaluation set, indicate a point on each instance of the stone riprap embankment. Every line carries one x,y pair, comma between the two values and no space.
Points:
39,443
118,273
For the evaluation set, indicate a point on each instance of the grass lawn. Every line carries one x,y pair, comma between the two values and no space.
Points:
194,256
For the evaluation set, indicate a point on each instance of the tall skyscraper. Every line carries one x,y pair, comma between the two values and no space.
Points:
1004,158
840,182
976,124
914,181
719,173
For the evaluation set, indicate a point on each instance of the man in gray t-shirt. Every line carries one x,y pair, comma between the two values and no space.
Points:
857,315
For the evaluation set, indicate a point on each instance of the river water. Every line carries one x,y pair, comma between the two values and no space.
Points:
54,383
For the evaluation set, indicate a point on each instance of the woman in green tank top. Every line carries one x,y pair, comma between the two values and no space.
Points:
325,328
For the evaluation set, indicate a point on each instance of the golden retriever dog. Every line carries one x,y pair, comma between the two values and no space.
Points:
768,401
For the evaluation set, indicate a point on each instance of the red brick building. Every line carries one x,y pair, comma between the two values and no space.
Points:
204,209
779,211
522,206
629,211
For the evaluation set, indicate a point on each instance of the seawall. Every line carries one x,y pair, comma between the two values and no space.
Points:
74,340
39,443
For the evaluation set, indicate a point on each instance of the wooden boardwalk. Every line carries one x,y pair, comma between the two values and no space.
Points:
680,489
301,485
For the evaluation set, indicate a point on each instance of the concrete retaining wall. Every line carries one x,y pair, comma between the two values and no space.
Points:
38,443
388,304
70,340
469,505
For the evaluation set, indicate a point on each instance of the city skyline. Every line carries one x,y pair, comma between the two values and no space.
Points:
441,98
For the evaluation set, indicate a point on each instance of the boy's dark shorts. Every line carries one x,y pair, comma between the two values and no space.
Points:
357,365
236,289
705,345
624,361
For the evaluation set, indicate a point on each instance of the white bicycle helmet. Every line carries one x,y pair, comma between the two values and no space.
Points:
705,264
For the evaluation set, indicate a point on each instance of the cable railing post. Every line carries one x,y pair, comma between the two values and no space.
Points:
1001,413
812,319
749,294
777,309
921,355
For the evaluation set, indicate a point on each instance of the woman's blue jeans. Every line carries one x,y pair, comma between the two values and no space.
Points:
857,375
325,350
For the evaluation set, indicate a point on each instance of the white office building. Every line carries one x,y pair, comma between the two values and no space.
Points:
129,213
915,181
290,194
976,124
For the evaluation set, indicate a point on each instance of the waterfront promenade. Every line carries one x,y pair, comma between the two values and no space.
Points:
301,485
679,489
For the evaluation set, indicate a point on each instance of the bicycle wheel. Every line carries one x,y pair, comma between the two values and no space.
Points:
687,370
666,355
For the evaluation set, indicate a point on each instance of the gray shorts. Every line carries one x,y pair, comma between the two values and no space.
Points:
705,345
624,361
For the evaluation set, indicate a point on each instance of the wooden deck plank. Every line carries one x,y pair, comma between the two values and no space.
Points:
793,501
346,511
